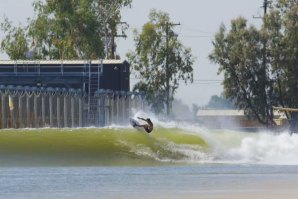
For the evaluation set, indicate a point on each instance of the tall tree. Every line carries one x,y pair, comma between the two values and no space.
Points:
260,66
160,61
109,16
67,29
281,25
239,54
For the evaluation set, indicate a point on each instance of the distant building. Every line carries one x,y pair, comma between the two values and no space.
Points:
231,119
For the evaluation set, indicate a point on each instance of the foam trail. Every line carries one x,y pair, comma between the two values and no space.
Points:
267,148
227,146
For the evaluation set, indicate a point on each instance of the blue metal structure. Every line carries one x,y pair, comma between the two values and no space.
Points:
87,75
107,74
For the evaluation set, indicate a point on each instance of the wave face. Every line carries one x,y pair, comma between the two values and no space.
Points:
125,146
95,146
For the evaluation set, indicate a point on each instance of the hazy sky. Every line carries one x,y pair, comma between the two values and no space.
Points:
200,20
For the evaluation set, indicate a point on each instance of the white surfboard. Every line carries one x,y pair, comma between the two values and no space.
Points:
134,123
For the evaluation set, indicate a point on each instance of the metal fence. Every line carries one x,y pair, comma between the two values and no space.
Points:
114,107
32,107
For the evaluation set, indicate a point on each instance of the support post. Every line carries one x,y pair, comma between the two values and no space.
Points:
43,111
72,111
80,111
102,110
118,108
107,110
3,112
51,109
20,113
65,111
35,112
112,109
58,112
123,99
28,118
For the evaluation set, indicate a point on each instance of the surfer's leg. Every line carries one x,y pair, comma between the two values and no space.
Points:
141,125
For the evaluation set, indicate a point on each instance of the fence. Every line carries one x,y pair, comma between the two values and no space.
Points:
32,107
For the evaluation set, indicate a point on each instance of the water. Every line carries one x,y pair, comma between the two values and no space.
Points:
200,181
175,161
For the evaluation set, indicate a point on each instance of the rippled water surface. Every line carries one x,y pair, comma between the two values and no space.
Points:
200,181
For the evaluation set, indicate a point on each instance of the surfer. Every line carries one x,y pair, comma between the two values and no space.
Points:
148,127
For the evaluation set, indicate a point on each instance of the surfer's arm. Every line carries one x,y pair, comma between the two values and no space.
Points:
141,118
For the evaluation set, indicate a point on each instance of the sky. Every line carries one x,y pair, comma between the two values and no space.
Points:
199,19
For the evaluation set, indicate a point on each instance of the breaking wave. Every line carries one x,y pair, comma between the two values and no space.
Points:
167,144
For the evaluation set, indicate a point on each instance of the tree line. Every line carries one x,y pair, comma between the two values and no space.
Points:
65,29
260,65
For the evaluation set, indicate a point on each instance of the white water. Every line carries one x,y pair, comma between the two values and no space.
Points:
226,146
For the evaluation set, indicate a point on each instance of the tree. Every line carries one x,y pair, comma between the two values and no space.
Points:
284,53
66,29
14,43
220,102
281,26
109,16
239,54
260,65
160,61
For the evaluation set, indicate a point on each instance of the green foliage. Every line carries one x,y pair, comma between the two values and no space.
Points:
109,16
286,61
239,54
260,65
220,102
160,61
67,29
14,43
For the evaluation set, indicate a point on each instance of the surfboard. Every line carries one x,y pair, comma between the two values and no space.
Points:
134,124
